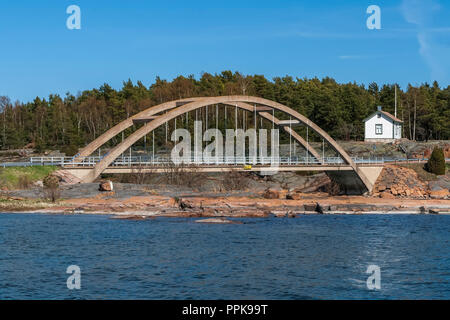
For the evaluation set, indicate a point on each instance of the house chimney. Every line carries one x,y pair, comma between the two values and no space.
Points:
379,108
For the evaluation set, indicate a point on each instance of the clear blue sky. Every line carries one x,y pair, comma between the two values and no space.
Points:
143,39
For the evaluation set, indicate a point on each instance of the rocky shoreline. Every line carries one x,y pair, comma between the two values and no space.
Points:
398,190
142,207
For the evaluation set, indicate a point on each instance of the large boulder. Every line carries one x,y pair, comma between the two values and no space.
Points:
271,194
106,186
294,196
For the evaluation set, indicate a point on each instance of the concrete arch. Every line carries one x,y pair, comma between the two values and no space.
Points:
171,105
191,106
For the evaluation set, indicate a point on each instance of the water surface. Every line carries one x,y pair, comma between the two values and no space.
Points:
309,257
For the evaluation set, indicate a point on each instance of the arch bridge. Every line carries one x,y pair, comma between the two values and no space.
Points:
343,167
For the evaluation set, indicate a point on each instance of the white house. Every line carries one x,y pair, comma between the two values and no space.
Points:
381,126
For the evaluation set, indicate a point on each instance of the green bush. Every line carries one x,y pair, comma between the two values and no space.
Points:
436,163
51,181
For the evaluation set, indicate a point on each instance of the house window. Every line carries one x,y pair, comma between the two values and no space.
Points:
378,129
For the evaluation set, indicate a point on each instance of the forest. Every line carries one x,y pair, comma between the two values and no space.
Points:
69,122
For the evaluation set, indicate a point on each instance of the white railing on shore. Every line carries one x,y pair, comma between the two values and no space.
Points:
163,161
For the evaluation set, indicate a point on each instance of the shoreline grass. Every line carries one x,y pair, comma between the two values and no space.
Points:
20,205
13,178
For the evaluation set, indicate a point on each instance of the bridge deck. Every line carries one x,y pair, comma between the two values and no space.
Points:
290,163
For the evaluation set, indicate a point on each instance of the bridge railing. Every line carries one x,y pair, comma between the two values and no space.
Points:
213,160
62,161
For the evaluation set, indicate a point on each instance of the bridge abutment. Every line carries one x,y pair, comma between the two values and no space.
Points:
85,175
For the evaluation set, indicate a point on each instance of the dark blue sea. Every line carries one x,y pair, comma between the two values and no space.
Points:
308,257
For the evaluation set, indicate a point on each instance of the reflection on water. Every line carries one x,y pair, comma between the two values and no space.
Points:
309,257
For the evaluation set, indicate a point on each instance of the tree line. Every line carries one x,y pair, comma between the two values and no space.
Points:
72,121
